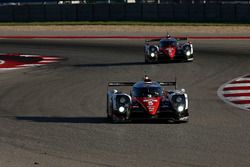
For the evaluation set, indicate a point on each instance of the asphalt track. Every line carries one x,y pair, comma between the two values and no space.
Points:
54,115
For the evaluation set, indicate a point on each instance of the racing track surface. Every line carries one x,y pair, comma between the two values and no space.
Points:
54,115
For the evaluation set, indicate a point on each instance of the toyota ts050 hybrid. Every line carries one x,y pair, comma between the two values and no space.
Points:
167,49
147,100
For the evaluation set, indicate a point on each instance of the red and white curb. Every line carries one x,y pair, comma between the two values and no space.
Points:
236,92
19,61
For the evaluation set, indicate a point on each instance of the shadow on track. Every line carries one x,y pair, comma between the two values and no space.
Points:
88,120
124,64
110,64
46,119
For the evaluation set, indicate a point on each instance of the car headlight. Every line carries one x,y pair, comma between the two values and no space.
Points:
178,99
152,54
121,109
122,100
180,108
188,53
152,49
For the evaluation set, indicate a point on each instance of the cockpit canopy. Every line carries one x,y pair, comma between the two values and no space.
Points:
148,91
168,42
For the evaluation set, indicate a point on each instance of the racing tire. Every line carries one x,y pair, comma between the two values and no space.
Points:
108,116
116,120
151,62
191,59
182,121
107,110
146,60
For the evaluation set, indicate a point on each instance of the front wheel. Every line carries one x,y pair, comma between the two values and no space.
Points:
183,120
150,60
146,59
108,109
119,119
190,58
114,118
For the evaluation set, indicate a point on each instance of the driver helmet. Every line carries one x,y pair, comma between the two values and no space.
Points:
147,79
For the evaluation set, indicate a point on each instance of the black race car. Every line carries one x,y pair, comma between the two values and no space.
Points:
147,100
168,49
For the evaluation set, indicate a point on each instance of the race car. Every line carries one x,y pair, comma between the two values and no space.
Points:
168,49
147,100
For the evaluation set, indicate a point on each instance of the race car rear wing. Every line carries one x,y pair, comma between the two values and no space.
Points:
121,83
181,38
158,39
110,84
153,40
168,84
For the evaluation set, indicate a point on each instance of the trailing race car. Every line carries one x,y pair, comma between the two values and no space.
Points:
147,100
167,49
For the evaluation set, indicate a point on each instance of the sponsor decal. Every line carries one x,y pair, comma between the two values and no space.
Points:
170,51
236,92
150,104
19,61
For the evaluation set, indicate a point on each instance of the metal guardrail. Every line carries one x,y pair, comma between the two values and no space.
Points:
231,13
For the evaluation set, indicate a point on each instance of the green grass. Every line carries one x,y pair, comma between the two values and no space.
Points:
140,23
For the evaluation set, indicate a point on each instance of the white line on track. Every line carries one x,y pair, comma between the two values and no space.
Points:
237,85
243,79
51,58
247,106
236,91
48,61
238,98
7,69
29,65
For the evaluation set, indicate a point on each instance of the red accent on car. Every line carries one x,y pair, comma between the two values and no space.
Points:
150,104
170,51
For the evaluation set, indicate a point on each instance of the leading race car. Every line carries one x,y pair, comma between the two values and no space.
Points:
168,49
147,100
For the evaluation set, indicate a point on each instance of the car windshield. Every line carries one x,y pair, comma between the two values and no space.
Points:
166,43
147,91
